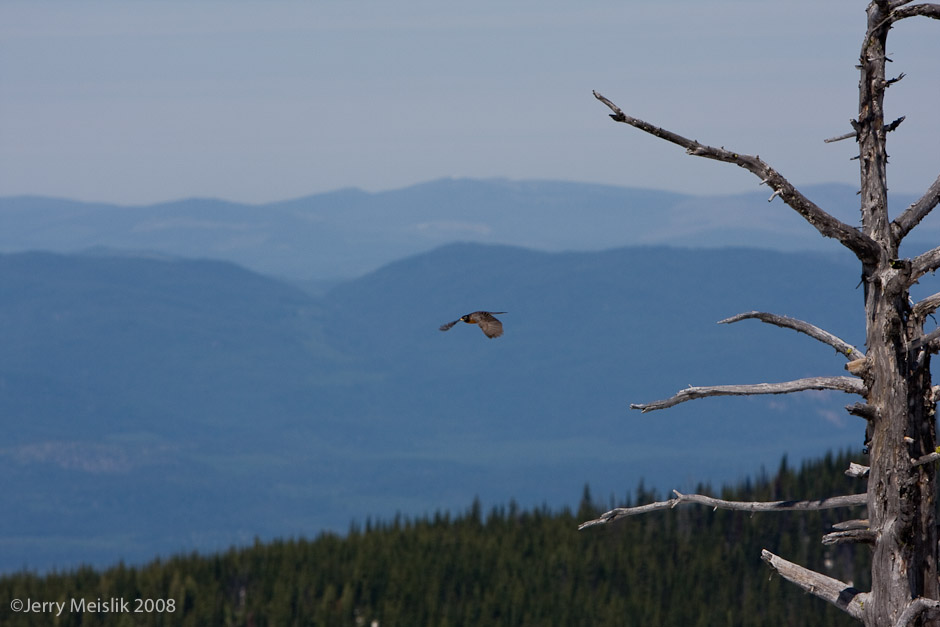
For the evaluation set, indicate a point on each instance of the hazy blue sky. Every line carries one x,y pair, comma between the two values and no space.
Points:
133,101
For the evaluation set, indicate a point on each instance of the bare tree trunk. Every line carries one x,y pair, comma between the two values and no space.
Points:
901,498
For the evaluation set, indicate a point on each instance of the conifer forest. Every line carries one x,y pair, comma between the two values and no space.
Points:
506,566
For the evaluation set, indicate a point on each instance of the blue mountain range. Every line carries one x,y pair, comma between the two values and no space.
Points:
155,403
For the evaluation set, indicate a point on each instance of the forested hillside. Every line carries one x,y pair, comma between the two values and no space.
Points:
688,566
161,406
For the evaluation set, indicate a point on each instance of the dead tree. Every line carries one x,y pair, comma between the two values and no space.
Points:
892,378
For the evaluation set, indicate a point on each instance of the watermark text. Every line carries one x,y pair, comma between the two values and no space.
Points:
111,605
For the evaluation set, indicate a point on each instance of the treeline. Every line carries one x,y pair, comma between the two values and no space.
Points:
687,566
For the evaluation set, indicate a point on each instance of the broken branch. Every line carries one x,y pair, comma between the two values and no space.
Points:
923,10
896,123
925,308
924,263
863,246
863,536
849,385
918,210
926,459
838,138
857,470
932,341
802,327
862,411
859,367
839,593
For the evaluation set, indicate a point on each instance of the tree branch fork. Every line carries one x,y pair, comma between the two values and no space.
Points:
865,248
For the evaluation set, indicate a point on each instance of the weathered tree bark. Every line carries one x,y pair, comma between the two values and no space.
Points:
840,594
850,385
893,375
901,497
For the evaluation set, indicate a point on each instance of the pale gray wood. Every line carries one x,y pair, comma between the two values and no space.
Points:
802,327
851,500
857,470
839,593
849,385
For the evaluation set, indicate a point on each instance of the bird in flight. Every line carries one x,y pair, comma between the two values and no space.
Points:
487,321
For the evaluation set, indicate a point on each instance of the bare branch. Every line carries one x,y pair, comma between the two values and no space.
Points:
888,83
923,10
862,411
857,470
932,341
861,523
838,138
859,367
919,314
896,123
912,216
623,512
888,128
863,246
839,593
926,459
802,327
863,536
851,500
913,611
925,307
848,500
924,263
849,385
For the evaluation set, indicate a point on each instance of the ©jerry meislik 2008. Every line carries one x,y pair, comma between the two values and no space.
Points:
112,605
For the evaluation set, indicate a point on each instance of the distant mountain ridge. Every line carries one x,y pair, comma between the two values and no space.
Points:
157,405
346,233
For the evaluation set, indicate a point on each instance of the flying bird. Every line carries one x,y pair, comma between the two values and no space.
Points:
487,321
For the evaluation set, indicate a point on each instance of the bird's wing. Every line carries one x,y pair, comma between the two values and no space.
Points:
446,327
490,325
